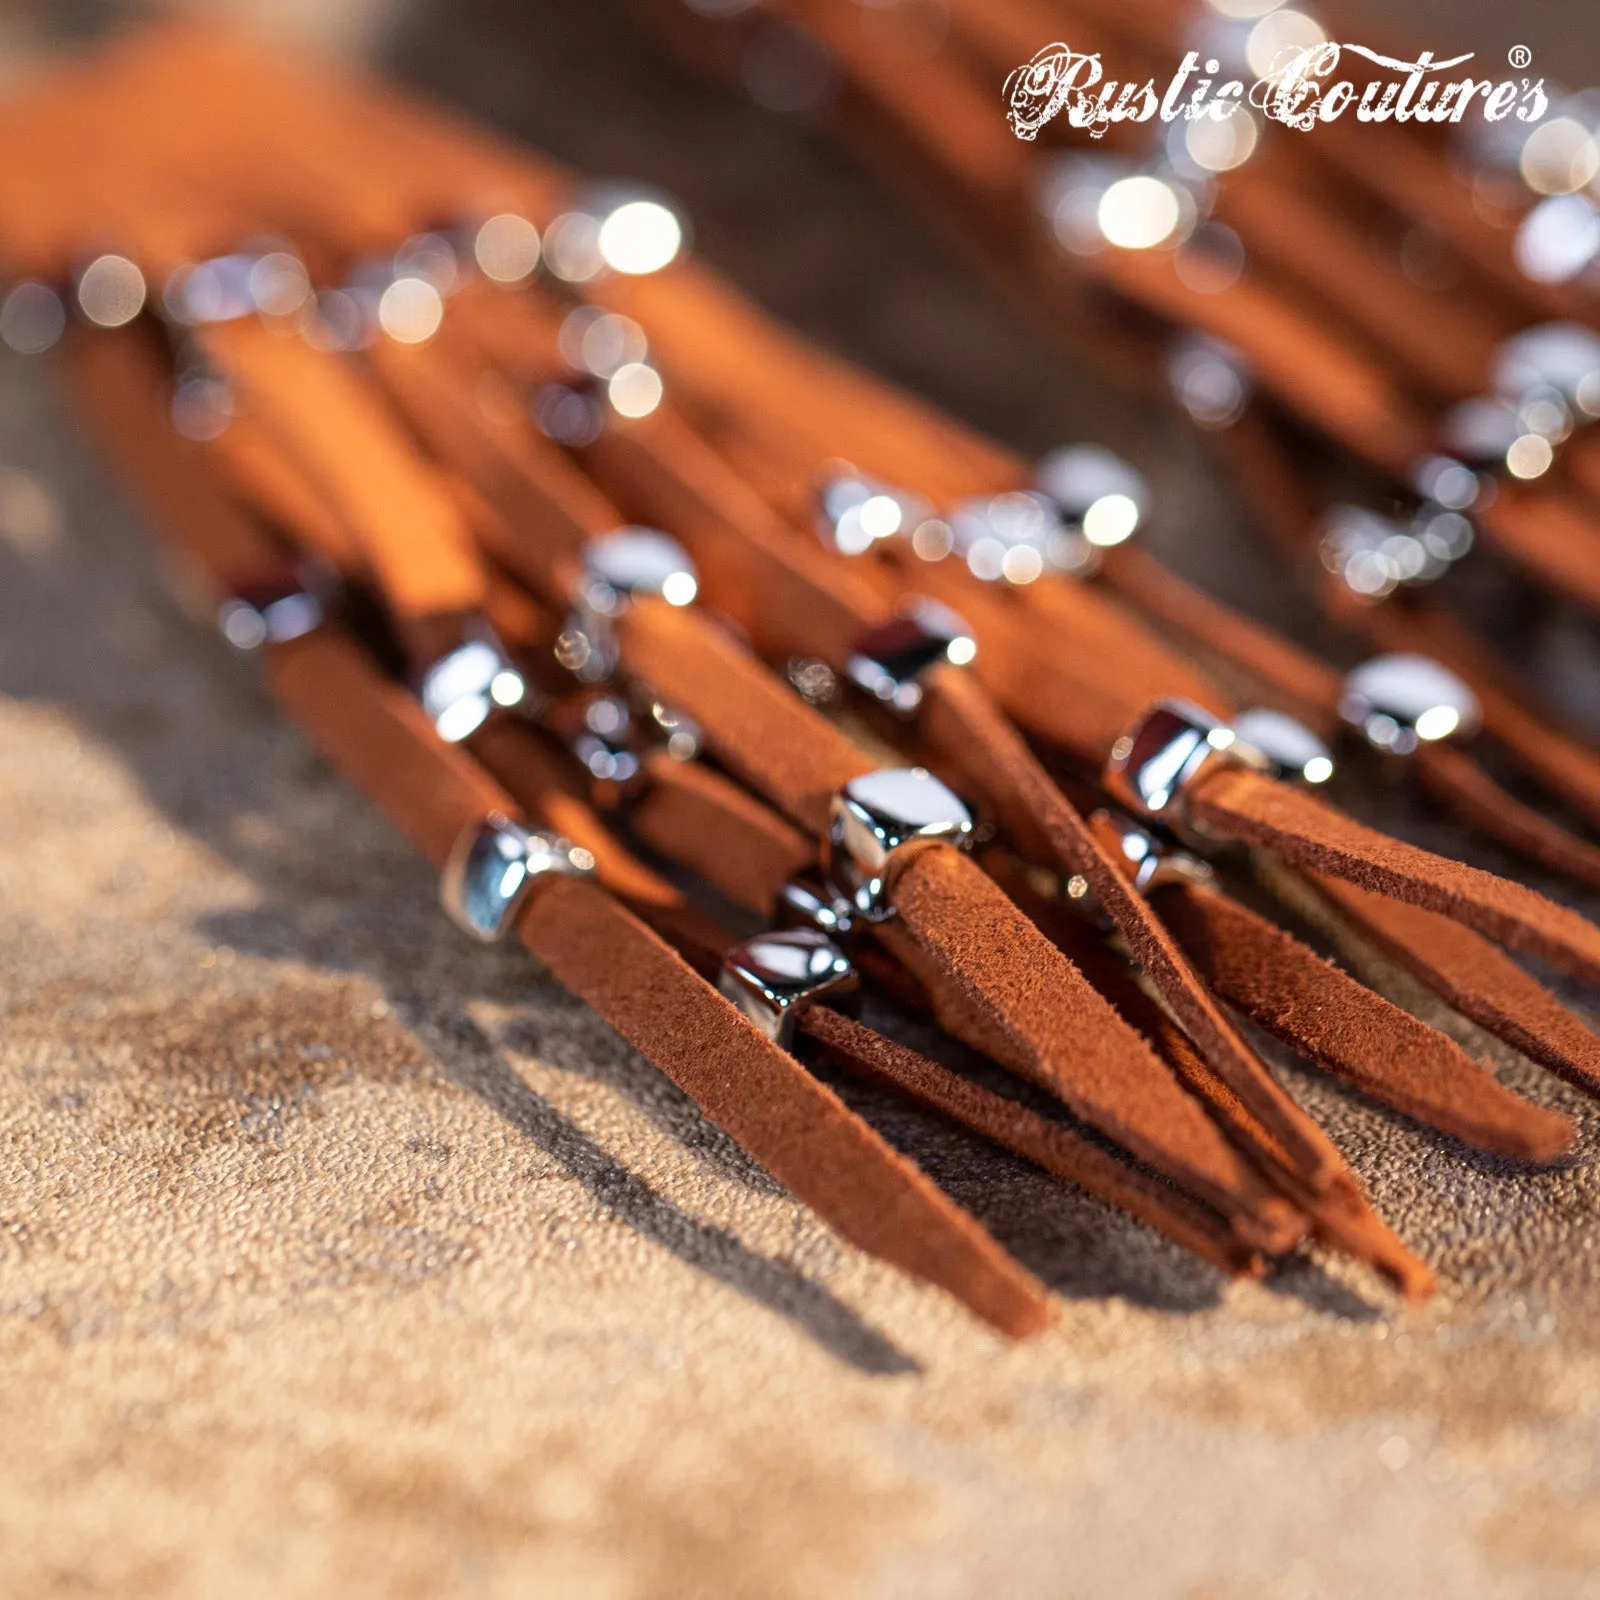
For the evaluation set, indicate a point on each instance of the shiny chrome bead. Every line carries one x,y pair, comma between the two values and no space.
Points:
1374,555
599,731
891,661
1292,752
614,228
1151,861
1096,492
1154,763
873,815
461,690
1209,379
493,866
1561,358
810,903
1401,702
628,564
248,622
635,563
773,977
854,512
1016,537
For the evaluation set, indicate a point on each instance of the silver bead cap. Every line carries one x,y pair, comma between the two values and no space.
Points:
773,977
247,625
854,512
891,661
873,815
636,563
1293,753
1157,760
461,690
1151,861
492,868
808,903
1398,703
1563,357
1096,491
1017,537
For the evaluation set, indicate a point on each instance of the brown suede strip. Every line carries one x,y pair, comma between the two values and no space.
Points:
1475,977
763,731
1239,804
1548,533
1312,685
1051,1144
1339,1214
785,590
1000,979
269,479
121,386
960,719
380,738
1384,1051
545,507
1550,754
795,1126
360,462
1454,778
713,827
544,785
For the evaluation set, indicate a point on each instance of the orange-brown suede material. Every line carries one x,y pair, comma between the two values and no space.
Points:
1041,1018
1475,977
122,387
1340,1213
1295,995
1240,804
959,716
1454,778
795,1126
381,739
361,462
755,725
717,830
1052,1144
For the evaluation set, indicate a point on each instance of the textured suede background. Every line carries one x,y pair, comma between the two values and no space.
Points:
338,1256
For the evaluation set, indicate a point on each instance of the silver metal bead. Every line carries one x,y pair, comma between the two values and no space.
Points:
1016,537
807,903
891,661
1562,358
1096,492
1401,702
628,564
1373,555
492,868
614,228
773,977
854,512
461,690
1292,752
1153,862
1156,761
600,732
1209,379
873,815
249,623
634,563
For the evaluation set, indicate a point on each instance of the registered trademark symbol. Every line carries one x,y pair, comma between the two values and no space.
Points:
1519,56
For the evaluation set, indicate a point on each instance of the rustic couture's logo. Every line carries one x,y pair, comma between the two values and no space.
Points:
1299,88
